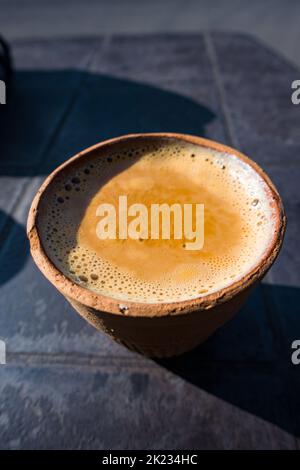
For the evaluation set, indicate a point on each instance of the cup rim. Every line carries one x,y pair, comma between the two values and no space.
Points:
158,309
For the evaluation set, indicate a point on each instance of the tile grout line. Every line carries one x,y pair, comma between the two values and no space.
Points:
37,359
234,141
212,56
214,62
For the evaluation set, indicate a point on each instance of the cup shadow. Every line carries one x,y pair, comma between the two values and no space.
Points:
53,114
247,362
14,255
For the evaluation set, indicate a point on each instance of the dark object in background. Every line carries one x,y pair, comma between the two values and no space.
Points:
5,62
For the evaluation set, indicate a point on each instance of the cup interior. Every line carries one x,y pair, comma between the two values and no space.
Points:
136,145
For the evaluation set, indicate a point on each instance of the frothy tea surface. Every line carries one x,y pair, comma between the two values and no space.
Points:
238,220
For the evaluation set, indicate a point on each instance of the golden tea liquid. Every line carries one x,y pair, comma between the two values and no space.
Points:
238,221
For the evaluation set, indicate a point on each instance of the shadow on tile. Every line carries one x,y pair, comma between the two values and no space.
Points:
13,255
267,385
52,115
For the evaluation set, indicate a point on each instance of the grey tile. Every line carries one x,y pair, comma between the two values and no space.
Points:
257,90
54,53
98,408
286,269
46,77
10,191
274,23
267,151
284,301
155,58
295,378
36,318
287,180
283,292
248,338
144,84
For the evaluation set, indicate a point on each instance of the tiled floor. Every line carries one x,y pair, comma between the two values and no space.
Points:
66,385
276,22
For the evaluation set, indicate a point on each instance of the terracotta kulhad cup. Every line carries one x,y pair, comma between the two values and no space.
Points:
156,329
